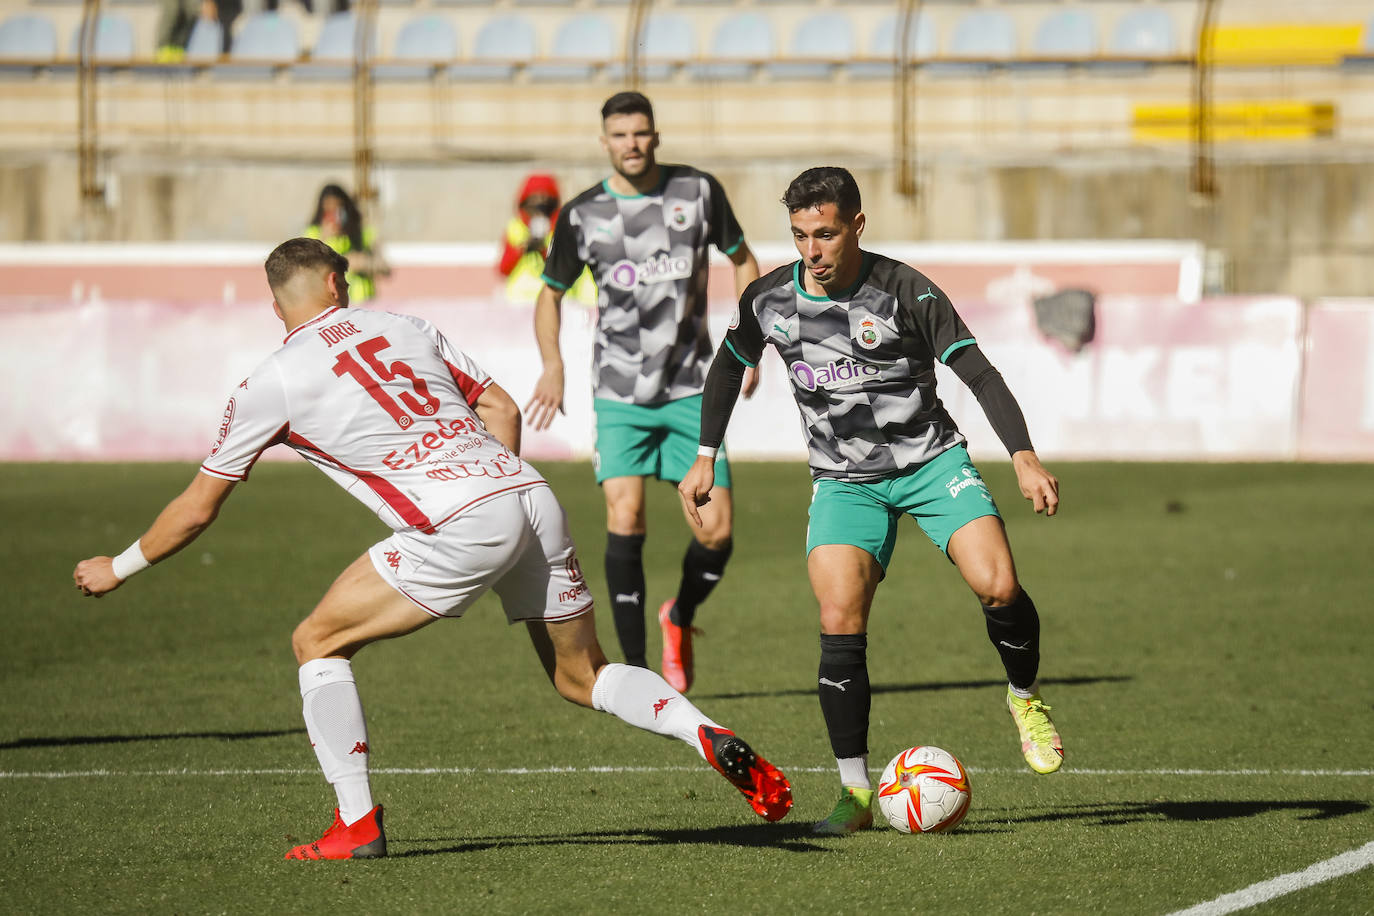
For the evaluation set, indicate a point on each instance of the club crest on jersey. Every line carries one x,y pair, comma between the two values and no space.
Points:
627,274
869,334
225,423
680,215
834,374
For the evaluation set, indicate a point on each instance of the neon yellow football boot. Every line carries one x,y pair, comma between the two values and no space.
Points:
1039,741
853,812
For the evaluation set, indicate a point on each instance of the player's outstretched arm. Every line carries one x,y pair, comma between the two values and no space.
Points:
695,488
746,272
500,415
1037,484
547,400
180,523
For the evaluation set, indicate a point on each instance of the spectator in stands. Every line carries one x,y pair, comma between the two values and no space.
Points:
336,6
526,242
338,223
179,17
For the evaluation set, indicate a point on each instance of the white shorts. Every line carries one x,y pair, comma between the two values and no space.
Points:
516,543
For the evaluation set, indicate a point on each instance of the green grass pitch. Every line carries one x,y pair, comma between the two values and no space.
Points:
1207,651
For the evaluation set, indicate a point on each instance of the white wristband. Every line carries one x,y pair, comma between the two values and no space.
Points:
129,562
707,451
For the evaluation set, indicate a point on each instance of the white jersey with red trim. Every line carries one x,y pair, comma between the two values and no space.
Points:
384,405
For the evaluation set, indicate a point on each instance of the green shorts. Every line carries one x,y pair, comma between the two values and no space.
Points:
658,441
943,495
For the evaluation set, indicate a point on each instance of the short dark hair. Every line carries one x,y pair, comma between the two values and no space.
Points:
825,184
628,103
294,255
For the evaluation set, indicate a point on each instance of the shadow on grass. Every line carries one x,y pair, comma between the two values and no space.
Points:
928,686
786,837
74,740
1112,814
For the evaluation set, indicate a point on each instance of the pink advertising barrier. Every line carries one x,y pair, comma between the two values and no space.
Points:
92,376
1337,421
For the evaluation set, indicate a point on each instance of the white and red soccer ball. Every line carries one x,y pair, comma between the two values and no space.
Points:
924,790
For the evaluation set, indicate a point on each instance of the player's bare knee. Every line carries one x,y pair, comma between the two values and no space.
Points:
310,641
718,538
999,590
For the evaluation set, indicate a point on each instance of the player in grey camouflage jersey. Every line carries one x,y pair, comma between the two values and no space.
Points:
646,233
860,335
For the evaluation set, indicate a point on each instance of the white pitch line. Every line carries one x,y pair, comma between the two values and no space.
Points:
537,771
1344,864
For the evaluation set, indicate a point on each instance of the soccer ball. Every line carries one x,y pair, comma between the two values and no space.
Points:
924,790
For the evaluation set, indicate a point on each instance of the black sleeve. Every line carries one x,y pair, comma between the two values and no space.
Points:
726,233
742,348
996,399
564,265
723,384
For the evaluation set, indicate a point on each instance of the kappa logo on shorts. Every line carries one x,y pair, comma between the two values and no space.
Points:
393,559
359,747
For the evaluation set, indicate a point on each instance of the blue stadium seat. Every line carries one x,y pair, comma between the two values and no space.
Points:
1065,34
1144,32
819,42
206,41
982,33
428,41
666,41
27,37
739,40
882,47
578,43
501,43
269,38
334,52
114,39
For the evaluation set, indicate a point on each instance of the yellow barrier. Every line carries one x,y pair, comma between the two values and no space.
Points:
1285,43
1271,120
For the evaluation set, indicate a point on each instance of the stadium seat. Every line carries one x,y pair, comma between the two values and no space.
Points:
1062,37
1143,32
114,39
578,44
501,44
206,41
265,41
818,45
26,37
882,47
666,41
738,42
424,43
1065,34
981,33
334,52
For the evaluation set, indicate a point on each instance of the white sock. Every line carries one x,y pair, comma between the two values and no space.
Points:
854,772
643,699
1025,693
338,733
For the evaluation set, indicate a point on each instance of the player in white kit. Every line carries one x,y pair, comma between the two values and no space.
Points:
413,428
